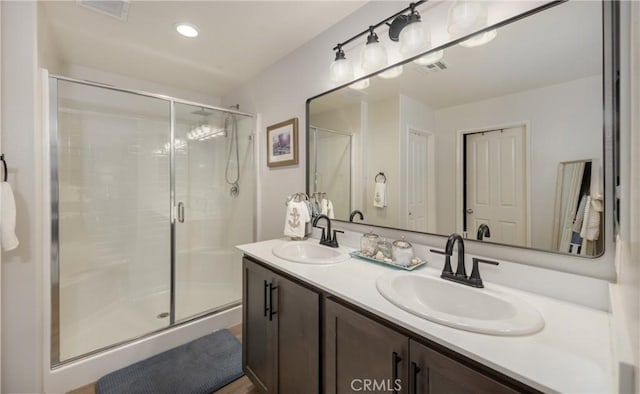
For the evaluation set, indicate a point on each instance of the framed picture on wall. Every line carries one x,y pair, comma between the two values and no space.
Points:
282,143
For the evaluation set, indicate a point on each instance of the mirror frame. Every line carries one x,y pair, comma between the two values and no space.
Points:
611,125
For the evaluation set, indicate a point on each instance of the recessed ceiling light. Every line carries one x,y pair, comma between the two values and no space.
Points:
187,30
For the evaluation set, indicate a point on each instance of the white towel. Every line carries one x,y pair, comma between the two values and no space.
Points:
296,218
591,223
380,195
330,213
8,217
324,207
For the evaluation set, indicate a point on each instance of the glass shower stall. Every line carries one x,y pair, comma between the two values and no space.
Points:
149,196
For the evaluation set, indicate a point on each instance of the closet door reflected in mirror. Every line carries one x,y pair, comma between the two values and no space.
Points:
477,137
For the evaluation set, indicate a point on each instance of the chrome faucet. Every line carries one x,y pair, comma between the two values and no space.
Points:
327,239
354,213
460,276
483,231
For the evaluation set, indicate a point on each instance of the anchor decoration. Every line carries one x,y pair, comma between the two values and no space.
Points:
295,223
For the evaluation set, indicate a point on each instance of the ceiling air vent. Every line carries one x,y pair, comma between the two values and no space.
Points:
432,68
118,9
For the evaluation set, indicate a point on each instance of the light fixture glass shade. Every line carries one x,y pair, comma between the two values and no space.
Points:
374,57
341,70
360,84
465,17
430,58
391,73
413,39
479,39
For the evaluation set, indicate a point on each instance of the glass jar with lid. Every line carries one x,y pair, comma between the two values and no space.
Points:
402,252
369,244
385,247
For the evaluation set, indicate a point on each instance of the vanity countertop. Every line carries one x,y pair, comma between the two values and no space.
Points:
572,353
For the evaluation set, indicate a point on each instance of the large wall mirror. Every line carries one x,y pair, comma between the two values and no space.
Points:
508,135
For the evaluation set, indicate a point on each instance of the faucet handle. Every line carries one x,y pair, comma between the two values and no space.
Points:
446,270
334,241
475,271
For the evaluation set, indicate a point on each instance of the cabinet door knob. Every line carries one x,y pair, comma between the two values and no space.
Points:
469,211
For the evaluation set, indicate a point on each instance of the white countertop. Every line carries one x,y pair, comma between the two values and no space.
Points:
572,354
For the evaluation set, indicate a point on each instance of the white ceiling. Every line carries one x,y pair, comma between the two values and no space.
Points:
237,40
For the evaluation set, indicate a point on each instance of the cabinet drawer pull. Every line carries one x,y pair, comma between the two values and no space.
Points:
266,307
395,359
271,311
414,376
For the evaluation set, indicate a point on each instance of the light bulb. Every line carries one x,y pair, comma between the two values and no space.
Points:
430,58
374,54
391,73
363,84
341,70
412,37
479,39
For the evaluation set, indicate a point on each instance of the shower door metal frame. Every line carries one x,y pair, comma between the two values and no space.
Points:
55,361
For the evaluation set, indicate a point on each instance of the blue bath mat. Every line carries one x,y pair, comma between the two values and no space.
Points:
200,366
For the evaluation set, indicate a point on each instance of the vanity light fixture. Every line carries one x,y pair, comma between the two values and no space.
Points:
412,36
479,39
392,72
187,30
360,85
430,58
406,28
374,54
467,16
341,70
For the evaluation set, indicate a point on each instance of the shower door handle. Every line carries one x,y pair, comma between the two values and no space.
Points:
181,212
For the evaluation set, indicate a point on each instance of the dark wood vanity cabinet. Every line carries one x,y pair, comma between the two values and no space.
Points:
433,372
280,332
287,323
362,355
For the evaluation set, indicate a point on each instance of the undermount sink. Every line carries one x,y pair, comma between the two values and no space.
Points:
486,311
309,253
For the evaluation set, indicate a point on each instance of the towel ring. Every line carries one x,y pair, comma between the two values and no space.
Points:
384,177
4,167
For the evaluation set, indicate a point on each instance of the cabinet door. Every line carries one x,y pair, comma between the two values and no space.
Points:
431,372
258,350
361,354
297,320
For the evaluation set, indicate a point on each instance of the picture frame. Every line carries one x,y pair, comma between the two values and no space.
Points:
282,143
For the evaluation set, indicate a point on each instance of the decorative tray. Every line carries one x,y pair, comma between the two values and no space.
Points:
411,267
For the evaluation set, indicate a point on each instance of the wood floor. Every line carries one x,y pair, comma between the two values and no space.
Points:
240,386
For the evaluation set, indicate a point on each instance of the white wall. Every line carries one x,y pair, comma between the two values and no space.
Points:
559,116
22,320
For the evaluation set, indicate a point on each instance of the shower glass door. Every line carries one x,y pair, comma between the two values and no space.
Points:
215,205
149,197
111,216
